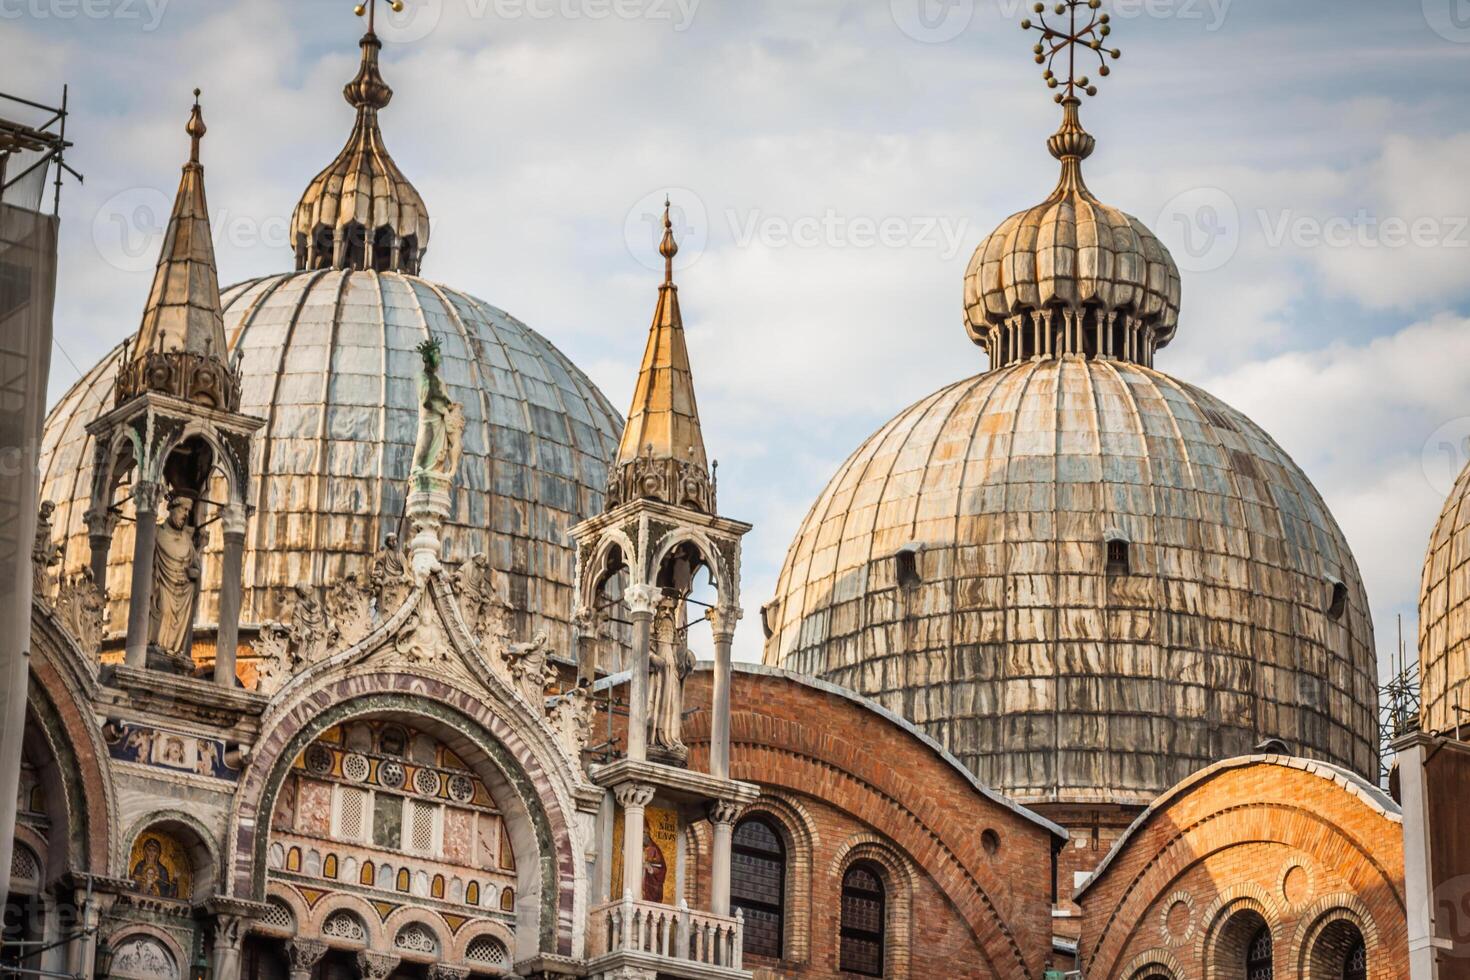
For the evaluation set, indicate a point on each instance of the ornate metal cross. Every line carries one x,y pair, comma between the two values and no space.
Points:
370,7
1086,29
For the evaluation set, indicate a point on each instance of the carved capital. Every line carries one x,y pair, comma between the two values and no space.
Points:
723,812
641,599
233,520
633,796
229,930
147,496
376,966
439,971
722,622
304,953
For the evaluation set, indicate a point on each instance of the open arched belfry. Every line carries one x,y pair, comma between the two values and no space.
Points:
363,641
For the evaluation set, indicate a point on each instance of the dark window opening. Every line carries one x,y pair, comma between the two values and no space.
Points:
862,921
908,568
1258,965
383,249
1337,605
322,245
354,252
758,886
1118,558
1356,965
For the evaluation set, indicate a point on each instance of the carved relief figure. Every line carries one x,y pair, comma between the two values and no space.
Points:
669,663
390,578
311,632
45,553
479,600
441,420
82,608
349,606
530,667
175,576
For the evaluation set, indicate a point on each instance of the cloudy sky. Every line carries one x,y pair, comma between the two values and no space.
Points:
836,161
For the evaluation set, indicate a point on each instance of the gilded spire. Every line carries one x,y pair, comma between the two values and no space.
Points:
361,212
662,454
180,348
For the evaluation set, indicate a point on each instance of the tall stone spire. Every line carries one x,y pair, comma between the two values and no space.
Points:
662,454
180,347
361,212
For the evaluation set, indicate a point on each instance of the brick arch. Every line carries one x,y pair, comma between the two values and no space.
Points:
1151,963
805,760
1328,912
59,716
800,838
898,877
1226,929
1302,829
412,696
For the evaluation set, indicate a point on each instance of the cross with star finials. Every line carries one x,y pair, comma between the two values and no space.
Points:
1087,27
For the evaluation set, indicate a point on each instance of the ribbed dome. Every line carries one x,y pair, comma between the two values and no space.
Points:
958,569
1072,275
1444,616
329,360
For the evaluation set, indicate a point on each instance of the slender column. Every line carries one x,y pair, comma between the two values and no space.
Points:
304,954
586,633
634,799
227,641
722,815
100,528
1418,860
640,600
83,951
376,966
145,503
224,956
722,624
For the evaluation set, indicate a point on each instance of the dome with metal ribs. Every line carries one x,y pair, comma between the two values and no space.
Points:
1444,616
329,359
1086,580
1071,275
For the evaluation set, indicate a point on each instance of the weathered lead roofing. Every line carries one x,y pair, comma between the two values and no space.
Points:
328,358
1444,616
956,570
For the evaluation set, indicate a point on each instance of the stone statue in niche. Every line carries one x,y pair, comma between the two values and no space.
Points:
480,603
390,578
45,552
441,420
175,579
82,608
350,609
669,663
531,668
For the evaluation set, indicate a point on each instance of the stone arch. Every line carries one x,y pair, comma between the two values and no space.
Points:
372,922
1153,963
899,878
539,823
128,932
1321,942
715,561
798,832
236,471
59,728
597,564
195,838
403,918
292,901
467,935
1229,924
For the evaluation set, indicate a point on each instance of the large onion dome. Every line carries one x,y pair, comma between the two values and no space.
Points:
328,357
1444,616
1083,577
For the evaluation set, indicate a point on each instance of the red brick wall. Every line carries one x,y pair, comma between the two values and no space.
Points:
849,784
1307,852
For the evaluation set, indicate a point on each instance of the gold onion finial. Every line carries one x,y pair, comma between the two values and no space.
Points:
195,128
668,248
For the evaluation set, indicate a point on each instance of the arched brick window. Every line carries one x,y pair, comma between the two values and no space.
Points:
863,920
758,885
1356,967
1258,962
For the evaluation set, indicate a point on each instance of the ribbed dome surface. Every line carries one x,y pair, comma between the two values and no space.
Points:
1012,641
328,359
1444,615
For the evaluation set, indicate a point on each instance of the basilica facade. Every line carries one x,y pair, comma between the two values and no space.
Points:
360,645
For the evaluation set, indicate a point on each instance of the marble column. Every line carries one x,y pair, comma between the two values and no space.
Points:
634,799
100,528
227,641
722,816
146,498
304,955
640,600
224,956
376,966
82,961
722,624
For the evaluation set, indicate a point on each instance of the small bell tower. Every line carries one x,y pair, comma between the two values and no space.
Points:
176,445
